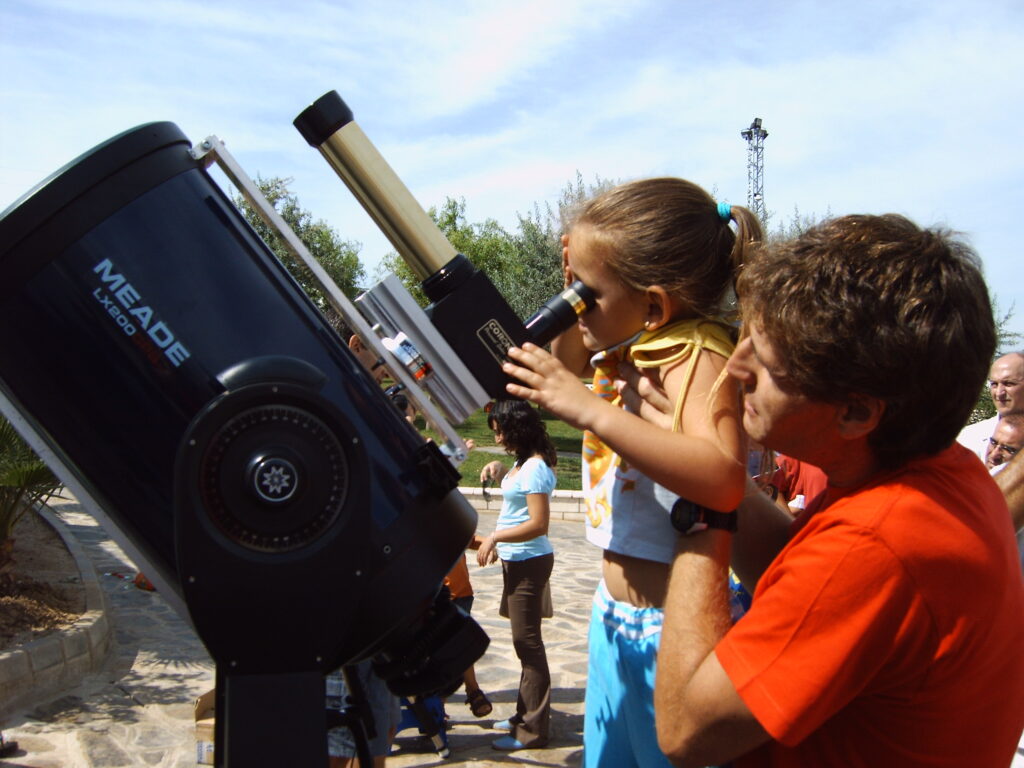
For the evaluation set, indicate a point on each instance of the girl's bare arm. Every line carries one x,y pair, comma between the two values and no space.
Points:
568,347
569,350
703,463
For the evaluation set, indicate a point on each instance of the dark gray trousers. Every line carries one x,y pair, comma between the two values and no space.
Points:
525,581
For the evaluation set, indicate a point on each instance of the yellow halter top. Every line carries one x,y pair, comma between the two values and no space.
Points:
681,340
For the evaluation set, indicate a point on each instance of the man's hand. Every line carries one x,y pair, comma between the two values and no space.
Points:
644,395
1011,482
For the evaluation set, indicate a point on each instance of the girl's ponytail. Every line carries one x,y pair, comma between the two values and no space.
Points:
749,236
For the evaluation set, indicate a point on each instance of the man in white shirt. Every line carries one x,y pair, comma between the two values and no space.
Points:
1006,386
1006,441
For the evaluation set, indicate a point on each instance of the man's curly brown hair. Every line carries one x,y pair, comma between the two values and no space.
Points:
877,306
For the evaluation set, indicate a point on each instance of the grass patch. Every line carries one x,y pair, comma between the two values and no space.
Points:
566,439
567,473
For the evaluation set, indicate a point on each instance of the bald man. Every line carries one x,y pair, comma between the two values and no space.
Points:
1006,386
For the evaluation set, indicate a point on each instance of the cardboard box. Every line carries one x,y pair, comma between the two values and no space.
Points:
204,714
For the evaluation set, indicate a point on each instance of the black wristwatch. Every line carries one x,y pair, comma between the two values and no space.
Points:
689,518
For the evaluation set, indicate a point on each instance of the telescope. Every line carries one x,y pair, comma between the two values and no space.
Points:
165,365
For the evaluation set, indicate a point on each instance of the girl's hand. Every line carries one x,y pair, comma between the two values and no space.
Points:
550,384
487,553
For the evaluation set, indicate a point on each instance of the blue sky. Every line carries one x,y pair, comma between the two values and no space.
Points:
911,107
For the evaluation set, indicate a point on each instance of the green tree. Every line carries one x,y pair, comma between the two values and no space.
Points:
539,248
339,258
487,245
25,481
539,241
796,226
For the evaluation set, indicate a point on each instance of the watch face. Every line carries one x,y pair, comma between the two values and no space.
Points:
684,516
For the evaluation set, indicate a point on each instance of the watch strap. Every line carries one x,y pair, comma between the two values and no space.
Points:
689,518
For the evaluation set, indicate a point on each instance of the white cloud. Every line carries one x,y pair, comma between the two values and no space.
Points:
910,105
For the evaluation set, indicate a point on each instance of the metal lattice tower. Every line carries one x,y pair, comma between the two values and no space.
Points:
755,136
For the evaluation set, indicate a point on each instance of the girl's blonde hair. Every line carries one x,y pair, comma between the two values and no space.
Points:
669,232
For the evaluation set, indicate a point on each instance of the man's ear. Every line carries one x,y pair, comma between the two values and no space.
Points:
860,416
660,307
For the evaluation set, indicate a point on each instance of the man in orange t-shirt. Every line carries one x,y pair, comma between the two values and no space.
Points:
887,624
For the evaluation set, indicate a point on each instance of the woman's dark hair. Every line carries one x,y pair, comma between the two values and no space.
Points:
523,433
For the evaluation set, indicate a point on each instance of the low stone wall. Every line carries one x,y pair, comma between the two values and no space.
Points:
565,505
59,660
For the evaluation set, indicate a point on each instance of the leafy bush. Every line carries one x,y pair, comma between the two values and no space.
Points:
25,481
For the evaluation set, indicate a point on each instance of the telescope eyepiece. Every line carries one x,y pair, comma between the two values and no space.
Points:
559,313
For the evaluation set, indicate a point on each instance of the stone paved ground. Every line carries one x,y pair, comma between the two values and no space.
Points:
139,711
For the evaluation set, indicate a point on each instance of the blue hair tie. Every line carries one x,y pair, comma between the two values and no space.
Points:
725,211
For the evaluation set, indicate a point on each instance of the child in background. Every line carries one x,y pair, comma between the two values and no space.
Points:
461,591
380,704
660,256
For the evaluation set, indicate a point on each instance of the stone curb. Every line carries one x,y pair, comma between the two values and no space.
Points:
61,659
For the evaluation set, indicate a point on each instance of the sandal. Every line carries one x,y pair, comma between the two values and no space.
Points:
478,703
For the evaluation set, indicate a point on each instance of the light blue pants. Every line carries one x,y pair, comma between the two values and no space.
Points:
618,723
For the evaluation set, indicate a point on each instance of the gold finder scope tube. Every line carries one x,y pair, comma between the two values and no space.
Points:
466,308
328,125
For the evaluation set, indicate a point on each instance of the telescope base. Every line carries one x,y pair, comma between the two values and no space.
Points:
270,720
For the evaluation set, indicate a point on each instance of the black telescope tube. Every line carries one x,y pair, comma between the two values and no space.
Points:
559,313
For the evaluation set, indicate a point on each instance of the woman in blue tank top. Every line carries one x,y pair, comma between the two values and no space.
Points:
520,540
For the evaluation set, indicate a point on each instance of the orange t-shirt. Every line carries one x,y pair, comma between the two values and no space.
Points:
457,580
889,631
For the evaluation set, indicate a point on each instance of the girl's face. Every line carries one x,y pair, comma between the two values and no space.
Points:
619,311
497,433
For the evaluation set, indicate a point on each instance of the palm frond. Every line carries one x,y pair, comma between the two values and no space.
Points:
25,481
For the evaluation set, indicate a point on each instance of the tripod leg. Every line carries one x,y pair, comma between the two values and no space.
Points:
362,719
